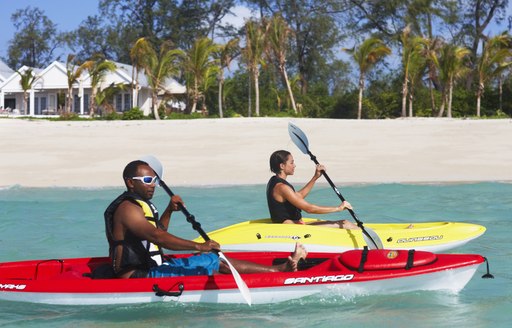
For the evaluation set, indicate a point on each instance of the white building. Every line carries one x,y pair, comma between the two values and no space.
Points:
51,83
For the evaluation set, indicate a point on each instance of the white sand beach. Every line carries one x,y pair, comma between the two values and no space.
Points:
38,153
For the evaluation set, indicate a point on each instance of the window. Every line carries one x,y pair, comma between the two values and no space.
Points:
119,102
76,104
127,102
86,104
52,102
37,110
42,105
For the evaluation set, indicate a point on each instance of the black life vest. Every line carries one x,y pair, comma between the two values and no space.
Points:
137,254
279,212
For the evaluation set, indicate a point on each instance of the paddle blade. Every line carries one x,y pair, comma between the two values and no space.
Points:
155,164
298,137
374,242
242,286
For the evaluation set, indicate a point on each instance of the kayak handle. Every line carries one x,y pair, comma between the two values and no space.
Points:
160,292
61,262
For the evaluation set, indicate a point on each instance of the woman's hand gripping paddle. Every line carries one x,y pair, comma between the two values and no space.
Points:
155,164
301,141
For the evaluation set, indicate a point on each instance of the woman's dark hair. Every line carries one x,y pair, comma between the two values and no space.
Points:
277,158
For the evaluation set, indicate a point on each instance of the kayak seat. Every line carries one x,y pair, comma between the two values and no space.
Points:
303,264
72,272
382,259
103,271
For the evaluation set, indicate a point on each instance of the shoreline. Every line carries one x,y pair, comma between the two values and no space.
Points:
235,151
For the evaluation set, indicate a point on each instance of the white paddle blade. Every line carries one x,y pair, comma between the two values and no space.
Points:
375,237
155,164
298,137
242,286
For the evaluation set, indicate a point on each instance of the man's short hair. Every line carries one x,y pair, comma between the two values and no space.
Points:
131,169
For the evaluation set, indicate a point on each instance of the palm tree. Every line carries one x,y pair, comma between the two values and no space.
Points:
370,52
492,62
200,67
27,79
105,96
158,67
225,55
451,67
277,40
253,56
137,56
430,52
98,69
74,73
417,67
411,46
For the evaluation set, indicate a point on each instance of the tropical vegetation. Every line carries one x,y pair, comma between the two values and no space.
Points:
398,58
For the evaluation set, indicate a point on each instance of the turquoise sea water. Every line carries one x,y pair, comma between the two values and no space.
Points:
58,223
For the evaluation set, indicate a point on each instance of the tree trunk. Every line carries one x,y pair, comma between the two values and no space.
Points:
155,105
478,98
137,89
450,97
70,99
289,88
432,97
256,94
500,88
194,105
25,102
360,100
221,82
411,99
404,98
443,103
478,104
195,97
92,102
249,108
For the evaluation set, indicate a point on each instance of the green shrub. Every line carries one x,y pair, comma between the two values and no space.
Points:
133,114
183,116
112,116
69,117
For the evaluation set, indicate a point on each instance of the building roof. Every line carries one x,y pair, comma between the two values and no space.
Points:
5,71
54,76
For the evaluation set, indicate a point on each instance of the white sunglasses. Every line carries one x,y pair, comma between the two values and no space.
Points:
147,179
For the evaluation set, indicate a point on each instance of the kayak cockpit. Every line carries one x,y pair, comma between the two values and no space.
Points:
50,269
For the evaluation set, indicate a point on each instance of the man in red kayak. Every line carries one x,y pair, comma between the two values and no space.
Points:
285,204
136,236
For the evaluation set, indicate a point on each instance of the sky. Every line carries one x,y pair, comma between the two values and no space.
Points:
66,14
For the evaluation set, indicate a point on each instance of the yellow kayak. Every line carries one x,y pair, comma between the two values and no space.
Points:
263,235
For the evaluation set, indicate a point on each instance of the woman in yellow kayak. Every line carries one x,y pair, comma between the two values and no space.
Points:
285,204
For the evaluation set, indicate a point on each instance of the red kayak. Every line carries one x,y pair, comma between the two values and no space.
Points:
358,272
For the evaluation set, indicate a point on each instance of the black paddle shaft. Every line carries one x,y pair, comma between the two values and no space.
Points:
359,222
313,158
190,218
